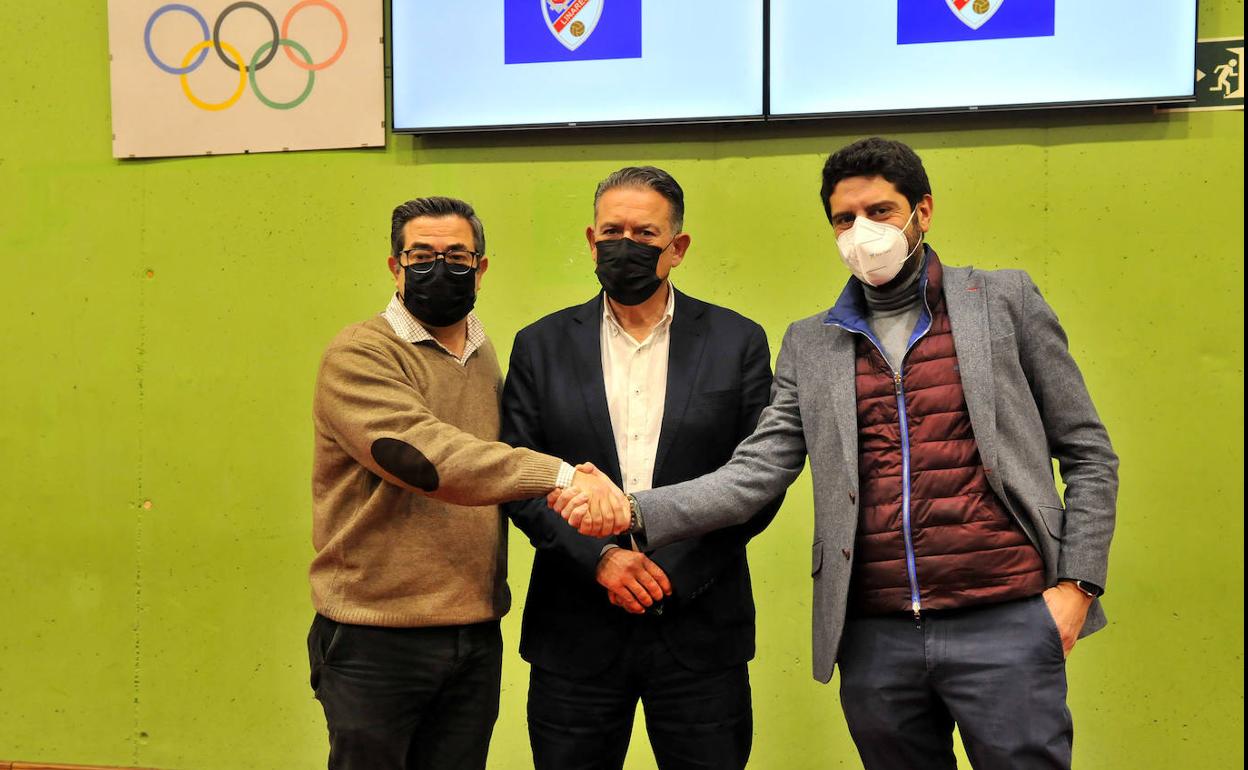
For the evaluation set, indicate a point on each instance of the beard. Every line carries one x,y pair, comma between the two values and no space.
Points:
914,236
914,239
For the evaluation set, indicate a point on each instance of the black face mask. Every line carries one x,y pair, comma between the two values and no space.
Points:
627,270
439,297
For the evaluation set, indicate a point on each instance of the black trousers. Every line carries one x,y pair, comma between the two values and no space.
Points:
695,720
996,671
406,698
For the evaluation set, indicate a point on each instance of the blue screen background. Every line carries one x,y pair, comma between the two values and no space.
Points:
830,56
699,59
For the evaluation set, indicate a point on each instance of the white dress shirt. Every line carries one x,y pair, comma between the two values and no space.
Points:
635,376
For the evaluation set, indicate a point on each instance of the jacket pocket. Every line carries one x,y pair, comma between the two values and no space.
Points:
1005,345
716,399
816,562
1054,519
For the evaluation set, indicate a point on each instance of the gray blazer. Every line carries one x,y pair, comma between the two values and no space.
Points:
1028,404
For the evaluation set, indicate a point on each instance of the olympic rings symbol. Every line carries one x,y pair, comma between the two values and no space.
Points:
233,59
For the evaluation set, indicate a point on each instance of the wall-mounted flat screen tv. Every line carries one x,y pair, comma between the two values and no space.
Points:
840,57
519,63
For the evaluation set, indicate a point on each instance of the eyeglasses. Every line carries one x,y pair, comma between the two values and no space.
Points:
458,261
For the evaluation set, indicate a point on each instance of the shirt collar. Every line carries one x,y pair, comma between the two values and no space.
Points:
409,329
611,322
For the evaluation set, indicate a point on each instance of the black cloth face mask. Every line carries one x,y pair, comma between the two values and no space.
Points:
627,269
439,297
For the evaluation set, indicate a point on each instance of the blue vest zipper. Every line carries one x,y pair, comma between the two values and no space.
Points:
921,329
911,570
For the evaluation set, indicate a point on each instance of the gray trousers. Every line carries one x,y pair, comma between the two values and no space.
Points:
996,671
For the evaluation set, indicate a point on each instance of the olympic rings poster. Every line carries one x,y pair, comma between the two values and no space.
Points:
211,77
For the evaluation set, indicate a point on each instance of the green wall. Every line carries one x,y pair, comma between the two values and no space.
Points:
155,428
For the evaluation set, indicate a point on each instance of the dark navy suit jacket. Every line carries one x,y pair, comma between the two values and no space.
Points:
554,401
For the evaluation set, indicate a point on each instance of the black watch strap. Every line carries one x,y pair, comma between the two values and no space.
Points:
1090,590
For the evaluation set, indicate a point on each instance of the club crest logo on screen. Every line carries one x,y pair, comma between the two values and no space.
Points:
537,31
572,21
931,21
974,13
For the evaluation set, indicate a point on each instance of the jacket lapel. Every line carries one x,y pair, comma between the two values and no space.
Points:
968,315
688,339
836,368
835,365
585,332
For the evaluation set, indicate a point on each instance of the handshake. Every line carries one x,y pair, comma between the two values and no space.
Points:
594,505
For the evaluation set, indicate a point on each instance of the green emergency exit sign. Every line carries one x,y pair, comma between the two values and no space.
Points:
1219,75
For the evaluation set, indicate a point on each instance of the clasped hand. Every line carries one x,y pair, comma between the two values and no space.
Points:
632,580
594,505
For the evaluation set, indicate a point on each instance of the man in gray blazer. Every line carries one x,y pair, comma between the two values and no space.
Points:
950,580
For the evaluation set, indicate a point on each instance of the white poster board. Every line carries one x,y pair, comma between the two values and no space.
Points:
208,77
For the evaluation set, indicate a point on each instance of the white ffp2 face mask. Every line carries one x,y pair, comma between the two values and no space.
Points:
875,251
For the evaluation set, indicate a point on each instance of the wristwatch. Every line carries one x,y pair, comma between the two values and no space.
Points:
635,523
1088,589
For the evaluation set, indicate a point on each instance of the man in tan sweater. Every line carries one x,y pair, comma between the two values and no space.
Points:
409,578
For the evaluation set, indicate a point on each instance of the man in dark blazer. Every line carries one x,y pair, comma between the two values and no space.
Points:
653,387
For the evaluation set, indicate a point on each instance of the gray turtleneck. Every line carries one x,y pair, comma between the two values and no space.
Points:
893,310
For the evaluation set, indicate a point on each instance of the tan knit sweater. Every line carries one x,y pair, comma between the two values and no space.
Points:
407,475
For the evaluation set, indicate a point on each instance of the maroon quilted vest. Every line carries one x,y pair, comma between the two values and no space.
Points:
967,549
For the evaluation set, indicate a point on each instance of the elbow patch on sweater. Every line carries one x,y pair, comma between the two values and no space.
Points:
406,463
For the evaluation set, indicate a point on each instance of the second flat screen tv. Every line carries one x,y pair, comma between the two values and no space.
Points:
512,63
837,57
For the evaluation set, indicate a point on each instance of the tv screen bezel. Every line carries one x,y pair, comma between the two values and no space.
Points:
767,116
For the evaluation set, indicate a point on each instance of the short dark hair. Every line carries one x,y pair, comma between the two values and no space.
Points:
650,178
435,206
876,156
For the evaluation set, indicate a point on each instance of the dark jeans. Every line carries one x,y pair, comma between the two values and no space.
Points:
406,698
695,719
996,671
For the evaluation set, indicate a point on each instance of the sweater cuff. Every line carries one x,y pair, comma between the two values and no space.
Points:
539,474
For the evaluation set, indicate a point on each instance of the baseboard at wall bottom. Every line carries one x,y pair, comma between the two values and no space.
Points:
10,765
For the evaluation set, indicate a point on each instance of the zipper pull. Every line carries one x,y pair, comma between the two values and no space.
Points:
914,606
897,382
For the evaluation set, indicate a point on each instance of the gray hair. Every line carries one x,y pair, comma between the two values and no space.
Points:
648,178
435,206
